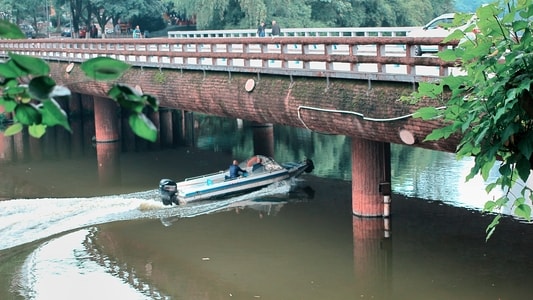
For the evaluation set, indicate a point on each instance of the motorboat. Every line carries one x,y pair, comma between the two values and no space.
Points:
260,171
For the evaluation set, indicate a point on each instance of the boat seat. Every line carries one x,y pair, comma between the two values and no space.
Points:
257,166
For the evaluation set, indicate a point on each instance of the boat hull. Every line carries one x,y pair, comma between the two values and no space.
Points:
218,185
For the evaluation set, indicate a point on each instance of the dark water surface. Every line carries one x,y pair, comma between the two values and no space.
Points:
66,236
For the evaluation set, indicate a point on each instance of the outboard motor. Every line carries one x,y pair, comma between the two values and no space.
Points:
168,190
310,166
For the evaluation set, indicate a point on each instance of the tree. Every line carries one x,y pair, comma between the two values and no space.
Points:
491,105
30,95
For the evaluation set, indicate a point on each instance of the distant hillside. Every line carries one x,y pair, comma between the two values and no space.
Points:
469,5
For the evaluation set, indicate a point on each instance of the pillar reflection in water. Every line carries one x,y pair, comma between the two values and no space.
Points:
108,156
127,137
6,148
76,124
372,254
107,141
156,119
263,139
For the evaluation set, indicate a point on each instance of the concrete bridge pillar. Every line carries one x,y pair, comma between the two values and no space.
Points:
371,177
263,139
107,140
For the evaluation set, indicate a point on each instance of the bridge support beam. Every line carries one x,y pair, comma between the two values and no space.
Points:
371,176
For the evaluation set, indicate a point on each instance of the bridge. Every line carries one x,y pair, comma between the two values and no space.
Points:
344,82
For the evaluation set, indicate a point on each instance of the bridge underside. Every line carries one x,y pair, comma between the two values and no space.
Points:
367,110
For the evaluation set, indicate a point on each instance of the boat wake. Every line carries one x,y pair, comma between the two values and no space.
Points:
26,220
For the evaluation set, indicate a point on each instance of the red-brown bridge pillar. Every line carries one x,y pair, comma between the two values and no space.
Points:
106,120
371,177
166,127
107,140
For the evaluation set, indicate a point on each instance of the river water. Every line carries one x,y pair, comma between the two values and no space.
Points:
66,235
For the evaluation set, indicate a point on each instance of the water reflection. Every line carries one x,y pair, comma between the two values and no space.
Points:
80,272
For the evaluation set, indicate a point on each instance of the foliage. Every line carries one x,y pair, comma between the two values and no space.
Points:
225,14
230,14
469,6
148,22
491,105
30,95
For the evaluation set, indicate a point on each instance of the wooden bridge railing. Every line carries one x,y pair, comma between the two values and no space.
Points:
368,58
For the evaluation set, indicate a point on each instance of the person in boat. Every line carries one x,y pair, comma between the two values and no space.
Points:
234,170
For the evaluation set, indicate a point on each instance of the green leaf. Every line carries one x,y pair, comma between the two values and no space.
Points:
523,168
525,145
523,211
492,227
427,113
440,133
54,115
8,104
143,127
9,30
486,168
454,82
448,55
489,206
429,89
104,68
37,130
13,129
41,87
152,101
27,114
7,72
490,187
30,65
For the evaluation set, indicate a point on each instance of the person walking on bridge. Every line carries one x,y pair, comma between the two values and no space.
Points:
261,29
137,32
276,31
